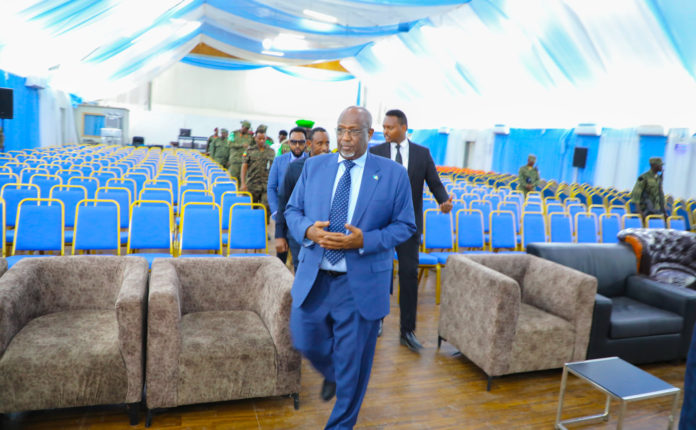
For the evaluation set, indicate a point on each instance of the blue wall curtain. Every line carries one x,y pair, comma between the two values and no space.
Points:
433,140
651,146
22,131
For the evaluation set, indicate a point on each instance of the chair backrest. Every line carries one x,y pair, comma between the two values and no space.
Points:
470,229
13,194
103,177
173,179
620,210
230,198
220,188
150,225
485,208
45,182
191,185
532,206
429,204
493,198
533,228
27,172
437,230
90,184
503,226
586,227
572,210
8,178
655,221
70,195
682,211
676,222
199,196
3,214
164,194
554,208
97,225
598,210
122,197
609,227
139,178
199,228
632,221
247,229
468,198
559,227
513,207
39,226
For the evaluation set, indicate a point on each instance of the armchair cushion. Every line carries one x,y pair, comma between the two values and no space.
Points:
225,355
631,318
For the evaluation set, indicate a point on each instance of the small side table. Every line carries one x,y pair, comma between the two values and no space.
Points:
619,380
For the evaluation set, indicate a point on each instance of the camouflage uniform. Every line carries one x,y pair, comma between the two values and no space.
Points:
239,143
258,165
647,194
284,147
527,175
220,151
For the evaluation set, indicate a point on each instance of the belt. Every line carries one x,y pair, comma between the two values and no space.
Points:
332,273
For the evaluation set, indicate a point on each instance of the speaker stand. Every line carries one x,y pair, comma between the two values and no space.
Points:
575,175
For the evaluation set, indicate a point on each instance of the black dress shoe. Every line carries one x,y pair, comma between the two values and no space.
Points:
328,390
408,339
379,330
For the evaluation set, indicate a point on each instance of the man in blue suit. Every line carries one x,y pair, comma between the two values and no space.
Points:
351,209
298,143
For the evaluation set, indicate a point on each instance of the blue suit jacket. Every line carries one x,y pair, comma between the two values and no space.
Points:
275,178
384,213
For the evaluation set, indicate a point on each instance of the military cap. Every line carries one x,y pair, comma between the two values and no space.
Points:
261,128
531,156
223,130
655,161
246,123
305,123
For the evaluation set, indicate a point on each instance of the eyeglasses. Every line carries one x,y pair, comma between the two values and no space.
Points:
352,132
297,142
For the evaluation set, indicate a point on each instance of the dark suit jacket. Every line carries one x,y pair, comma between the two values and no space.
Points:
421,169
292,175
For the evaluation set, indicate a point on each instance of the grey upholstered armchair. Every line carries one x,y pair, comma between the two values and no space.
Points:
71,333
218,329
511,313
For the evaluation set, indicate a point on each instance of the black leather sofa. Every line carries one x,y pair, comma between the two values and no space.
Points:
635,318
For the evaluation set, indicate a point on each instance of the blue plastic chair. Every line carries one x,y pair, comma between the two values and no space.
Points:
197,196
655,221
103,177
97,226
429,204
559,228
39,228
532,206
503,234
124,199
609,227
90,184
45,183
485,208
247,229
230,198
163,194
139,178
199,229
220,188
173,180
586,227
151,226
632,221
533,228
12,194
677,223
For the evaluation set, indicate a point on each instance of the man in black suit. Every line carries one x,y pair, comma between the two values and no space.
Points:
421,169
318,143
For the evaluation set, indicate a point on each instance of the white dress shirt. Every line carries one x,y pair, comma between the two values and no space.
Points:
356,174
404,152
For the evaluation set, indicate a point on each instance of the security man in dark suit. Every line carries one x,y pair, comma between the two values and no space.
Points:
421,169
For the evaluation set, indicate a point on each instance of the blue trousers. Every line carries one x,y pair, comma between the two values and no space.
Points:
330,332
688,412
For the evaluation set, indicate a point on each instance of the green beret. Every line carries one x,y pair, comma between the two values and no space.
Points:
246,124
261,128
305,123
655,161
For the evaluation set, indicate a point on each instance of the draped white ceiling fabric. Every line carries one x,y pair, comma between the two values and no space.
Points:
618,62
97,48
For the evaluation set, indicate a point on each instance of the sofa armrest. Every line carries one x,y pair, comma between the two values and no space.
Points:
163,335
130,308
565,293
273,304
478,313
671,298
20,301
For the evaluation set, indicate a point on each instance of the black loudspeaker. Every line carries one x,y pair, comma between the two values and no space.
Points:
580,157
138,141
6,110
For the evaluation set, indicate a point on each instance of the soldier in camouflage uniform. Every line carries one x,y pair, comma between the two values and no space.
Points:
528,176
256,163
210,140
647,194
239,142
219,150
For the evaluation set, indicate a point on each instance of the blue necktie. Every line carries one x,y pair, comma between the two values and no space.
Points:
338,216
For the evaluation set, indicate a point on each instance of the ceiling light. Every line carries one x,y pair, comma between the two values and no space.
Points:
320,16
274,53
267,43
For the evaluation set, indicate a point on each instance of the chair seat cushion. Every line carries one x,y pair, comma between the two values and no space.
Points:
63,359
150,256
248,254
225,355
12,260
425,259
630,318
542,341
442,256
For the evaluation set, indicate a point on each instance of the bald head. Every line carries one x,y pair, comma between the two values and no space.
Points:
353,132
